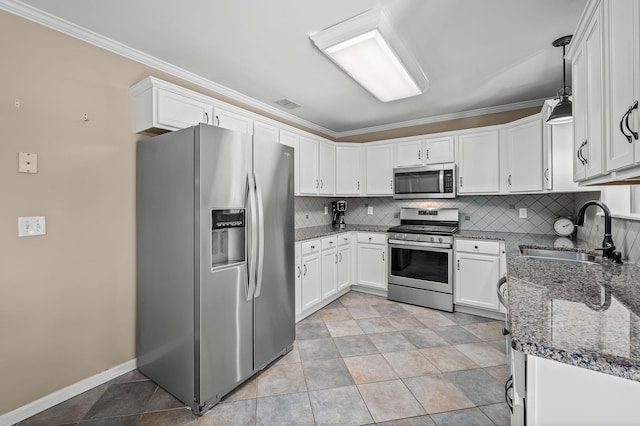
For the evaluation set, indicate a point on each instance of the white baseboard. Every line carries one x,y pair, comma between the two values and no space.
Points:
55,398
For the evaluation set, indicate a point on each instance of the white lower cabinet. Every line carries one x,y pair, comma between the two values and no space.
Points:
562,394
298,275
323,272
372,260
311,275
344,266
479,264
329,267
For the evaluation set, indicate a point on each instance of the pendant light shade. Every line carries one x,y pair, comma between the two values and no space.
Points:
563,111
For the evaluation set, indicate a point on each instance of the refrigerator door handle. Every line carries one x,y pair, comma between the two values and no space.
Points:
252,237
260,263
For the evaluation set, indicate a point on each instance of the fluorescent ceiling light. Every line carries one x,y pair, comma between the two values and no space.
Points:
367,49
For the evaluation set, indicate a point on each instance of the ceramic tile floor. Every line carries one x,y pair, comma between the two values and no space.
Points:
360,360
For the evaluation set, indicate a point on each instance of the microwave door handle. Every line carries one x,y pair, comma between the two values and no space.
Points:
442,181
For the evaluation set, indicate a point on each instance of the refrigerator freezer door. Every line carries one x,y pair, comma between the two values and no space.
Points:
225,326
275,297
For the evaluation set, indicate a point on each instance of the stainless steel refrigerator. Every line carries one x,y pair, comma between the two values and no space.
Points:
215,253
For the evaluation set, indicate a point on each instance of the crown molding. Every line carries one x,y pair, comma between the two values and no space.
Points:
443,117
48,20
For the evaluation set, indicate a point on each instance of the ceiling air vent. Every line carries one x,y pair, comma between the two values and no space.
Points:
288,103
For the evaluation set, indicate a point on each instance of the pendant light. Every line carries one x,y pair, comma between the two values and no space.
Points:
562,112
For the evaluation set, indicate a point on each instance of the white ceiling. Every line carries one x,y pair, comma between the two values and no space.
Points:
477,54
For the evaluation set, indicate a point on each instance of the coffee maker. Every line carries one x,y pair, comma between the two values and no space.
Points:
339,208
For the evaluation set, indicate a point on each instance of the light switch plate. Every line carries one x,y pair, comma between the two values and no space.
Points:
32,226
27,162
523,213
370,210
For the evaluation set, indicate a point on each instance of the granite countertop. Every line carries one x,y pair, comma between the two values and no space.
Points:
582,314
323,231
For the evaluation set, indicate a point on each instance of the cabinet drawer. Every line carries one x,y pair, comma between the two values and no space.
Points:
344,239
329,242
309,247
478,246
372,238
298,250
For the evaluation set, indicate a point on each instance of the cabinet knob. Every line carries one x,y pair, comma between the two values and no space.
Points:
313,247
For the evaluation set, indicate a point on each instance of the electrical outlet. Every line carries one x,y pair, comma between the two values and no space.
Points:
467,217
370,210
31,226
326,210
523,213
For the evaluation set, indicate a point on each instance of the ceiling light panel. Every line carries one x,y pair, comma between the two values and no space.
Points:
368,50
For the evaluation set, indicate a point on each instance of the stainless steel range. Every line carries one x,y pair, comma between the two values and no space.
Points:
421,266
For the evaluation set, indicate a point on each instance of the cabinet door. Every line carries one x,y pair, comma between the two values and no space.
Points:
311,283
291,139
524,156
263,132
298,275
329,273
308,169
231,120
176,111
624,49
479,163
372,271
409,153
344,267
475,280
380,170
595,113
579,80
349,170
327,169
438,150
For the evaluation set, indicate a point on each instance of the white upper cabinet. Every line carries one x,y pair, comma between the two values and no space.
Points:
308,169
379,164
478,163
522,144
176,111
316,167
438,150
232,121
263,132
623,84
605,56
409,153
162,106
348,170
431,150
558,155
327,169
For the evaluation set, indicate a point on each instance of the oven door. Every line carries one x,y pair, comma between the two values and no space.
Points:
420,266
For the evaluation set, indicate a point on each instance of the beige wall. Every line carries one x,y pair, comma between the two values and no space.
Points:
67,299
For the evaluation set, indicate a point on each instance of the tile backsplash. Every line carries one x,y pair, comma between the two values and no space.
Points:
625,233
482,212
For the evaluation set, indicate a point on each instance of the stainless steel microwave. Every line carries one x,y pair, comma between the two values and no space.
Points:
434,181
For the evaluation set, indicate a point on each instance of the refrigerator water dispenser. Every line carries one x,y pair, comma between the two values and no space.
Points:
227,237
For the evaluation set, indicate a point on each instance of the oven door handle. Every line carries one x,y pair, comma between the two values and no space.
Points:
414,244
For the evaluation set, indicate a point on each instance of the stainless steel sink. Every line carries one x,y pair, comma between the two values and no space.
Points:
566,255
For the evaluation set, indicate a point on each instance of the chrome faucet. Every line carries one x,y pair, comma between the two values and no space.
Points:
608,248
